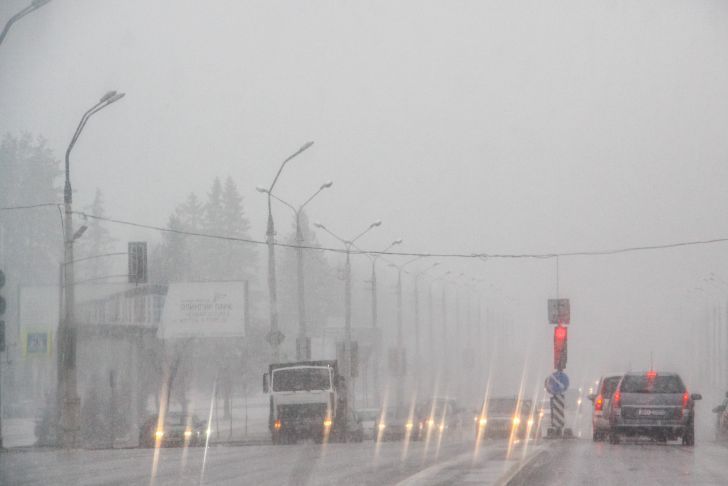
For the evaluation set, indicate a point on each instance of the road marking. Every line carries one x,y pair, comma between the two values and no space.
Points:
520,465
432,471
491,472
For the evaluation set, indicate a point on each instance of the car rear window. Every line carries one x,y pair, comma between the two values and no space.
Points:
656,384
609,385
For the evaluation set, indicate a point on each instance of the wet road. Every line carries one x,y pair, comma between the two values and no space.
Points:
644,463
301,464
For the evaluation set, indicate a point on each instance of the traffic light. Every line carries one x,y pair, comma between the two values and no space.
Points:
2,311
560,352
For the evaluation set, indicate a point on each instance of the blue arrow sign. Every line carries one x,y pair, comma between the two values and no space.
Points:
557,383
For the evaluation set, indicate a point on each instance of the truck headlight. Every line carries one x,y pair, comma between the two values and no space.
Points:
159,434
327,423
381,426
188,433
483,421
516,421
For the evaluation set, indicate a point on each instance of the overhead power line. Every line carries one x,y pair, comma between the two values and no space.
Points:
359,251
31,206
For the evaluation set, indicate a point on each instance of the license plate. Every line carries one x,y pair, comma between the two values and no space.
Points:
651,412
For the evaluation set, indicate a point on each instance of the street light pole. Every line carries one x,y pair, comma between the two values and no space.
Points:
347,302
376,350
417,322
443,308
274,335
68,399
34,5
303,348
400,332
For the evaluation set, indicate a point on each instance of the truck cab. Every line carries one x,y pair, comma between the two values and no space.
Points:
307,400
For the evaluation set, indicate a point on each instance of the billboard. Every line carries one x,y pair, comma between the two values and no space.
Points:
203,309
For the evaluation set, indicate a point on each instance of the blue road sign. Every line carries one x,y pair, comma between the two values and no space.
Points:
557,383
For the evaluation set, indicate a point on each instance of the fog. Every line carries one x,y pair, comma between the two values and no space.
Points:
488,134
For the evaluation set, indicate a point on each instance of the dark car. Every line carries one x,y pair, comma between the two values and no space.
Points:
600,399
439,414
397,423
505,417
179,429
653,404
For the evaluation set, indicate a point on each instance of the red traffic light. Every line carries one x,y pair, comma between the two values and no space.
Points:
560,333
560,353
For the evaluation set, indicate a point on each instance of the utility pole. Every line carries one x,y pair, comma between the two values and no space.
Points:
417,361
68,400
275,337
303,343
443,306
347,365
400,332
376,349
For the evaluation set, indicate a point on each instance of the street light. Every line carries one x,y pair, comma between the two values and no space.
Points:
303,348
443,309
34,5
347,322
400,335
374,259
417,319
275,338
67,385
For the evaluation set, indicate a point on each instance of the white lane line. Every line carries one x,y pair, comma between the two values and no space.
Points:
432,471
520,465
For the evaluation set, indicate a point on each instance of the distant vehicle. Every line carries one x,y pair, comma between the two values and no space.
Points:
506,417
179,429
653,404
721,419
397,423
308,400
368,420
601,398
440,414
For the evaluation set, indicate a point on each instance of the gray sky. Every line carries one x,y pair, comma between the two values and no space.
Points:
497,127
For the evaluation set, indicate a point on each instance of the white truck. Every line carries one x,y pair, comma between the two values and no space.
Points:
308,399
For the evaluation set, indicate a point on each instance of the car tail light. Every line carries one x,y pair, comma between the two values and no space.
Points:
686,399
277,425
599,403
617,399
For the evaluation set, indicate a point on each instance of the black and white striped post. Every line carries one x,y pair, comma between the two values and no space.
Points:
557,413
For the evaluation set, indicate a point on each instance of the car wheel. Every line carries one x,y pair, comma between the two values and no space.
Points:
689,436
596,436
613,437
